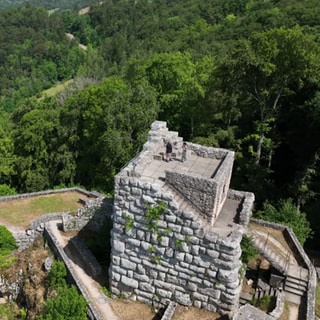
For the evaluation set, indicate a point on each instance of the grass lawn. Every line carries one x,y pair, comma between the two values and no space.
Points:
21,212
56,89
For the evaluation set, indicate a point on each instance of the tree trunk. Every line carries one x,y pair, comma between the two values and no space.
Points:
259,148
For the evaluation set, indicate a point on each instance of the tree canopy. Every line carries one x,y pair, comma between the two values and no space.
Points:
242,75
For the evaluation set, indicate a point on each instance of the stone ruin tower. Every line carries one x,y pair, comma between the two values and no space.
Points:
177,226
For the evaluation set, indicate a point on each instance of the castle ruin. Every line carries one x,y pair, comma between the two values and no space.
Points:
177,227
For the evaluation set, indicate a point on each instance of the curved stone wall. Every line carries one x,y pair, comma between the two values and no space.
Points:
298,249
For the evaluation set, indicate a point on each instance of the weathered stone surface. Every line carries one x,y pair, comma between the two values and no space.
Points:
181,259
183,298
118,246
48,264
144,286
130,282
126,264
227,276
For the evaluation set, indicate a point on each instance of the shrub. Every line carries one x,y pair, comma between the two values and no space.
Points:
68,304
57,275
248,251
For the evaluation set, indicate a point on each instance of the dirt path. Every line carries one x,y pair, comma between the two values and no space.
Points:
98,299
293,312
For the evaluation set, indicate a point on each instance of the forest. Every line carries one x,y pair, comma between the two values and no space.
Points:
235,74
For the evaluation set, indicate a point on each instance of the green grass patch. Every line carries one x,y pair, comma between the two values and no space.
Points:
9,311
56,89
21,211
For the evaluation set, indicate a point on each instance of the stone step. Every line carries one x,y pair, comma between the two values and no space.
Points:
295,291
298,273
245,298
292,297
296,281
288,286
275,259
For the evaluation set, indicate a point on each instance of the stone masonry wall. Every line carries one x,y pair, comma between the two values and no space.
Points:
223,178
94,212
303,257
93,313
201,192
175,259
206,194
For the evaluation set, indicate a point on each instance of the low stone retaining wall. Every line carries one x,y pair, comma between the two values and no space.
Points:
278,310
93,314
171,308
95,211
246,203
296,246
47,192
87,256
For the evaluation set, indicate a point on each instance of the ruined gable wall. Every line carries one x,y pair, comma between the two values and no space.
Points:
177,260
208,195
201,192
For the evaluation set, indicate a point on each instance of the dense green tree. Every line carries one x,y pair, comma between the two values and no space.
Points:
6,190
7,245
68,304
35,145
105,125
264,69
7,155
180,85
57,275
287,213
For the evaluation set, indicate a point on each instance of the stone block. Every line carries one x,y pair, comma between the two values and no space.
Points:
170,218
227,276
213,253
169,252
183,298
197,269
130,282
163,285
134,242
194,250
140,234
175,280
164,293
191,286
115,260
200,297
174,227
187,231
188,258
127,264
143,296
116,277
141,277
140,269
164,241
148,199
193,240
147,287
228,298
118,269
211,274
179,255
198,261
118,246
